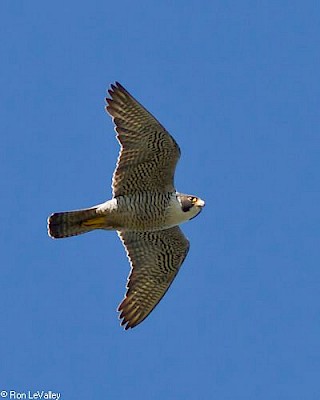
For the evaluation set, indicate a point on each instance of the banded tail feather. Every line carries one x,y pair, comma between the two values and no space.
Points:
72,223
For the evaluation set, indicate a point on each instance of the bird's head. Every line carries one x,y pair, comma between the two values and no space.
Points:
190,205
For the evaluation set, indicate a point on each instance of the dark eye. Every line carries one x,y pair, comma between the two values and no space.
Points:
187,203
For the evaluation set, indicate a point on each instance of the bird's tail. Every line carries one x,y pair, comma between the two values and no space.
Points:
71,223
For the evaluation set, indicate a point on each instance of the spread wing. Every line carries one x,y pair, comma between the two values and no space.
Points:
155,259
148,154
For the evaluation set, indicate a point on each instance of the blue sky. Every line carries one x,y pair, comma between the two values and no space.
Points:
237,85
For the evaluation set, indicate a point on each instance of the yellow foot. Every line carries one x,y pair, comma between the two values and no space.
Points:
95,223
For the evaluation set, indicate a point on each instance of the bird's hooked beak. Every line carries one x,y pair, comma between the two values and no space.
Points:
199,203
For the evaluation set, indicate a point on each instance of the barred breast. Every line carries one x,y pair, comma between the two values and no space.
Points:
145,211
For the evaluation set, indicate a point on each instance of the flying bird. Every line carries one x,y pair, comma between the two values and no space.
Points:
145,209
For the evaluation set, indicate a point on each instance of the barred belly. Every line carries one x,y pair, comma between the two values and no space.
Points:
143,211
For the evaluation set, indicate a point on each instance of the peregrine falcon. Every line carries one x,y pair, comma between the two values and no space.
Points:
145,209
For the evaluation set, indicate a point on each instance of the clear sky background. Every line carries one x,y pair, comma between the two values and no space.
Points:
237,85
